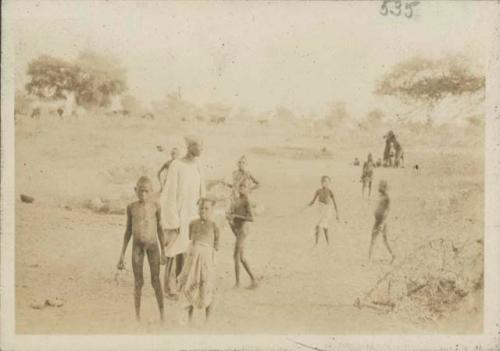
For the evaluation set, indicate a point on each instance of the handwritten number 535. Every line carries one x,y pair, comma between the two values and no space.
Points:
394,7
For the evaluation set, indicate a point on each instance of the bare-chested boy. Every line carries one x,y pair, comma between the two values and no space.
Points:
367,175
239,217
399,155
173,155
381,215
325,201
242,174
143,223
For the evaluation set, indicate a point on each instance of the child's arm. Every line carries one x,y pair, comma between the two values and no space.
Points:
126,239
386,211
190,231
255,182
216,237
334,205
245,218
314,199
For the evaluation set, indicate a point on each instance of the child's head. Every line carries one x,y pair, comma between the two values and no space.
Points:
205,207
143,188
242,163
194,146
370,157
243,188
174,153
325,181
383,186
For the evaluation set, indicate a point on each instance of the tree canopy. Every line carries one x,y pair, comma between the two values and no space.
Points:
429,81
337,114
92,78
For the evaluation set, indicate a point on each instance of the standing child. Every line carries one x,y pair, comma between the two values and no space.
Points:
242,174
399,155
143,223
325,200
381,214
197,279
173,155
239,217
387,149
367,175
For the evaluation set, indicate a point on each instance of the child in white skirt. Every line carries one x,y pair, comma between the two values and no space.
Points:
325,200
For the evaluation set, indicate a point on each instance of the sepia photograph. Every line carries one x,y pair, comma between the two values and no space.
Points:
248,168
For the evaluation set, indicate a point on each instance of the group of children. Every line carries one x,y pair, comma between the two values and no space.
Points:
197,278
326,200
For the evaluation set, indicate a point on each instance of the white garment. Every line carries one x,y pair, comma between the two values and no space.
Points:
325,215
183,188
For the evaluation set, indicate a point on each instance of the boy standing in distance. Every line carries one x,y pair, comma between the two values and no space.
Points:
381,215
325,201
239,217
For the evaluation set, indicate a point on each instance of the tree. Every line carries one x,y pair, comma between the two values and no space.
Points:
175,107
426,81
283,115
50,77
373,120
337,114
98,78
92,78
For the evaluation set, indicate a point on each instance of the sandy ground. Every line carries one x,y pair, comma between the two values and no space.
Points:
65,250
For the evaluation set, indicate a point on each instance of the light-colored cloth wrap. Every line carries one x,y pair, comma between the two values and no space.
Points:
325,215
197,279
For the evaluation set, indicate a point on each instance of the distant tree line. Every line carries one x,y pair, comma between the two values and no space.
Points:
93,79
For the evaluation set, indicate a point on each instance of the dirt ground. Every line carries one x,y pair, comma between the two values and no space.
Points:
67,251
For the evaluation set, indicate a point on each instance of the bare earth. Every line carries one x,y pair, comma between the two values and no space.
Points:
67,251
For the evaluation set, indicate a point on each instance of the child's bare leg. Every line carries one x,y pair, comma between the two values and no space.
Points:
190,313
317,235
207,312
169,266
375,231
386,242
236,257
154,267
246,265
137,262
326,235
179,263
363,189
369,189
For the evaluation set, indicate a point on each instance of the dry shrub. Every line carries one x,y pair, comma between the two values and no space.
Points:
430,282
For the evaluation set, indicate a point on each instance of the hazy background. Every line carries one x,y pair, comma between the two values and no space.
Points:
247,74
252,55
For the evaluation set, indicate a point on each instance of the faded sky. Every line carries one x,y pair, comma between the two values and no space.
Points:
254,55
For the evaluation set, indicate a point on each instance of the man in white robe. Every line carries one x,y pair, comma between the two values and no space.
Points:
183,188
